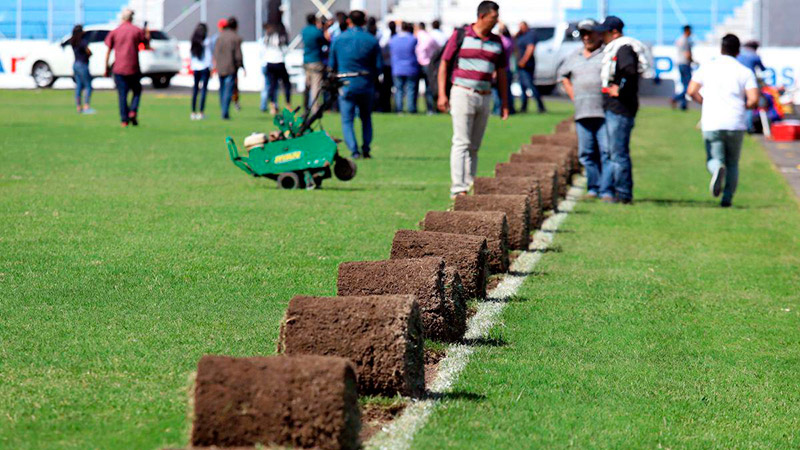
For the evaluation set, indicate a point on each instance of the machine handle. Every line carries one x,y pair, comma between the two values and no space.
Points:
237,160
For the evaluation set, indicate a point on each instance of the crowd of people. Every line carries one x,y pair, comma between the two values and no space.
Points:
467,74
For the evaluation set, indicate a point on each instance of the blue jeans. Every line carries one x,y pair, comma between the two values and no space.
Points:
408,85
497,101
200,77
594,155
618,132
348,103
274,74
83,82
526,83
226,94
125,84
686,76
430,106
723,148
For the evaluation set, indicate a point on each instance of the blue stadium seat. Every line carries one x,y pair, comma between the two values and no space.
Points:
641,19
34,16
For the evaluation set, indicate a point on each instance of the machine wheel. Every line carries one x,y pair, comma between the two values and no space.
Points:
288,180
43,75
344,169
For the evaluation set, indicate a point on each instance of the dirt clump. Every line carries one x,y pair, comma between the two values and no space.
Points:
516,207
490,224
382,335
527,186
467,254
425,278
547,173
299,401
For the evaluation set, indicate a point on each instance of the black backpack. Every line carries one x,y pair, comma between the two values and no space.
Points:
436,60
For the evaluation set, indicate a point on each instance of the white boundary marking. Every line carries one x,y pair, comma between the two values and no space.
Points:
400,433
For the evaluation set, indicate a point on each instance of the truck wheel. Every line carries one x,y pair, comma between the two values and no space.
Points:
288,180
43,75
161,81
344,169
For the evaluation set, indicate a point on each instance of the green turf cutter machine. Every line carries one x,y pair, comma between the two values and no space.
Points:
298,156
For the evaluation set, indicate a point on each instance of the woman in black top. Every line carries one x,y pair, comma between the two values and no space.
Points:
83,79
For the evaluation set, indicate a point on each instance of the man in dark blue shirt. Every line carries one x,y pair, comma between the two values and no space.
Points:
313,43
356,50
526,63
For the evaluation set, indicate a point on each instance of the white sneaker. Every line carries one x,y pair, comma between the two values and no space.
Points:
716,181
193,116
201,116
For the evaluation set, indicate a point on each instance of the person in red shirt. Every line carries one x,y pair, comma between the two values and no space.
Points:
125,41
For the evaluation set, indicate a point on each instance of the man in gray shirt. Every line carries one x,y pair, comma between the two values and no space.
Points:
580,75
684,61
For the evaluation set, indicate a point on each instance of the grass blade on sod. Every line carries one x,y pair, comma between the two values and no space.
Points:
400,433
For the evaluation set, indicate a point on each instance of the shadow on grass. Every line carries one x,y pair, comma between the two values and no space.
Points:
456,395
520,273
507,299
559,231
485,342
714,204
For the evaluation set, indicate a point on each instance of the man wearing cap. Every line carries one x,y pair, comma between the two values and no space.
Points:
620,78
125,41
228,60
580,75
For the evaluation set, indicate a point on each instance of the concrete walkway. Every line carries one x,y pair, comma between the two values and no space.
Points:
786,156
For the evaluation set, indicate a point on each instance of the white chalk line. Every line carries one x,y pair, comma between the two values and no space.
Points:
400,433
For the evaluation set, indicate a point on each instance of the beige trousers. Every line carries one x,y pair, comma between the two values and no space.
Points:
470,113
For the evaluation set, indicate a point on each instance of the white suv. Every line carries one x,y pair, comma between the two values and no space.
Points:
160,62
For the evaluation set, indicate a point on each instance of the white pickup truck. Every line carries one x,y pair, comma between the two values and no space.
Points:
553,46
160,62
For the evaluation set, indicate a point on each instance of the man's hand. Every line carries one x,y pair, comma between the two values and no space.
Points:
443,103
504,113
613,90
108,71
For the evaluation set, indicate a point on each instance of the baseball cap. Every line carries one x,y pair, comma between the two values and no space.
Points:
612,23
588,25
222,23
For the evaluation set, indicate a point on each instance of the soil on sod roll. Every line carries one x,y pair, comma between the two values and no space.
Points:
422,277
567,139
382,335
562,162
572,153
527,186
465,253
516,207
547,173
301,401
566,126
457,300
490,224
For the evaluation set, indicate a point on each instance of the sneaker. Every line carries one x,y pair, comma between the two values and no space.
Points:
726,204
132,119
193,116
716,181
89,111
457,194
238,106
590,195
608,199
124,124
356,155
201,116
625,201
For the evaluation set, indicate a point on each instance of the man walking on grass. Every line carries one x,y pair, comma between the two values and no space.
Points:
580,75
726,89
684,46
356,50
124,41
474,61
622,64
228,57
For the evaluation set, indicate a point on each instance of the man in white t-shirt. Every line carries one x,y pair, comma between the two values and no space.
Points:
726,89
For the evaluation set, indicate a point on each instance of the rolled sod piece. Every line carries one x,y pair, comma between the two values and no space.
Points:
298,401
567,139
422,277
546,172
382,335
456,301
562,162
566,126
516,207
465,253
572,154
492,225
527,186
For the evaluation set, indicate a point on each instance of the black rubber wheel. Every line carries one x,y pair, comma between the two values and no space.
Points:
42,75
288,180
161,81
344,169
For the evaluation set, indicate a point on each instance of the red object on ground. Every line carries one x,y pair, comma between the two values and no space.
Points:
786,131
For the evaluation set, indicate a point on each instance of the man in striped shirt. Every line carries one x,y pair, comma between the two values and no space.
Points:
474,64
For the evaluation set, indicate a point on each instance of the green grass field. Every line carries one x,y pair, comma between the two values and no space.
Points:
125,255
